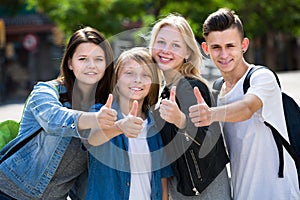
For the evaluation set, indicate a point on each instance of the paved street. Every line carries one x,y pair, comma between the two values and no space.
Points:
11,111
290,82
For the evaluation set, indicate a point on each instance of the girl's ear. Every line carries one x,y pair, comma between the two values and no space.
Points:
69,64
188,55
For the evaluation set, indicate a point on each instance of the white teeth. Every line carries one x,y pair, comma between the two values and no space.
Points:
164,59
136,89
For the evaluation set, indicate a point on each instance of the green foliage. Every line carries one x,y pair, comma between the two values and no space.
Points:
106,15
109,16
8,130
265,16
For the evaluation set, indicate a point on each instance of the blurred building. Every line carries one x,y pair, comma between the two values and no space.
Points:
29,53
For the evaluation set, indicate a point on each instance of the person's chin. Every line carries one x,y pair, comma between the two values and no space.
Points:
164,67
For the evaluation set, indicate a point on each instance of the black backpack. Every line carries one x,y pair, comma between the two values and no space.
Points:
292,119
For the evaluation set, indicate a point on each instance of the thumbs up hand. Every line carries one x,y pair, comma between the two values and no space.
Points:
200,114
170,112
106,116
131,125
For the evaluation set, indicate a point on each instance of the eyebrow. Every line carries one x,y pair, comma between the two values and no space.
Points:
229,43
160,37
214,45
85,55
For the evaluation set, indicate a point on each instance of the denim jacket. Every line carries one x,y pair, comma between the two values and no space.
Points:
109,167
32,167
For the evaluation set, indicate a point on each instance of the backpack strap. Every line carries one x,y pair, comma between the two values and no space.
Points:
217,85
279,140
216,88
246,83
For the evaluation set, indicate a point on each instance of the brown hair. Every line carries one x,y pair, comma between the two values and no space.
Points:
67,77
221,20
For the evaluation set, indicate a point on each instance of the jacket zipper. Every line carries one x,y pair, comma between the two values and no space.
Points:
196,164
188,138
196,167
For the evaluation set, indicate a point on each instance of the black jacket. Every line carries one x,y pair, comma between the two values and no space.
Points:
195,164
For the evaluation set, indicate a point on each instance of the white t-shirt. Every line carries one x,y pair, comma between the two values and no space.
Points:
140,166
254,160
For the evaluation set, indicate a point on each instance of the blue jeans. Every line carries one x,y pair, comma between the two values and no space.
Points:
4,196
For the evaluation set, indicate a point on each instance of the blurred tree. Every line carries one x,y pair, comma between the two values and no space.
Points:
265,21
109,16
265,16
112,16
274,26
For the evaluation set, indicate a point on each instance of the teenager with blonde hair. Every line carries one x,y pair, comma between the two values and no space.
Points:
196,175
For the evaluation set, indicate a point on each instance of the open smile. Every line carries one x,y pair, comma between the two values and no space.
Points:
135,89
164,59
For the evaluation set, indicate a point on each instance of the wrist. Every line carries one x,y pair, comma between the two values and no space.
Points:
215,115
182,121
118,125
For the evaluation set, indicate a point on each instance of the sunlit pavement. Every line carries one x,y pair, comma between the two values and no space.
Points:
290,82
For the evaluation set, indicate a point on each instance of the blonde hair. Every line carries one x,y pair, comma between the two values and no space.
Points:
142,56
191,67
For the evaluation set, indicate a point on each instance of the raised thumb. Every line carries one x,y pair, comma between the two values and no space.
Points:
134,108
198,95
109,101
172,93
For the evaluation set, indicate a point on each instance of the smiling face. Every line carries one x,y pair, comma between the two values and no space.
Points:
169,49
88,64
226,48
134,81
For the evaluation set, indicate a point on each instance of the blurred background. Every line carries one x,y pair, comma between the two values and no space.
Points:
33,33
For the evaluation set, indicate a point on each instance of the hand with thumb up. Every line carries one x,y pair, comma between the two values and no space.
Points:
131,125
106,116
170,112
200,114
105,128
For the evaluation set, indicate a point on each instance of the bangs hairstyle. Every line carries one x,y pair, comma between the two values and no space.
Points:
221,20
142,56
178,22
67,77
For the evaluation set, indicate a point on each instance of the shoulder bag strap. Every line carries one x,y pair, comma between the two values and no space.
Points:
22,143
19,145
